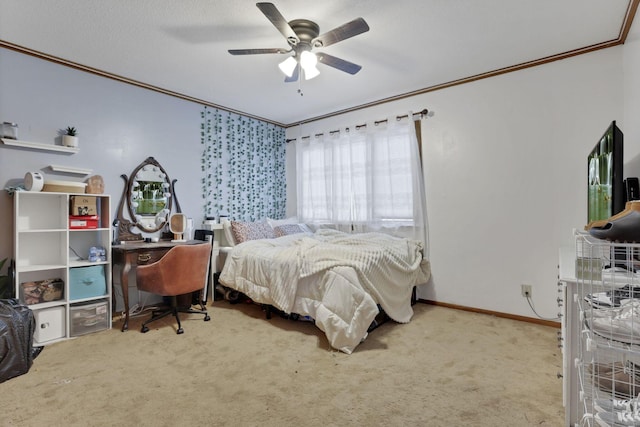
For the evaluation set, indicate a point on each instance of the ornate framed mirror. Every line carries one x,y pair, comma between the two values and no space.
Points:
149,196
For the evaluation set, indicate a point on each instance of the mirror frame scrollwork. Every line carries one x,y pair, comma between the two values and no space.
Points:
157,219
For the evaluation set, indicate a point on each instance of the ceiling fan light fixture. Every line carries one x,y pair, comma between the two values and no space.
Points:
288,66
311,72
303,35
308,60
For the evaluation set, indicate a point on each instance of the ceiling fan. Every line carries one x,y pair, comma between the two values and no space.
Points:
303,36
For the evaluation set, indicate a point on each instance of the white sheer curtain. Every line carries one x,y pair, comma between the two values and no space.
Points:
368,178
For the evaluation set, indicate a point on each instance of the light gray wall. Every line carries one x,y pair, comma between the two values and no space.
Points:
505,174
119,126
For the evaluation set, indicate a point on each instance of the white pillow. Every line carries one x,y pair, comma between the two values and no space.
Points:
305,228
278,222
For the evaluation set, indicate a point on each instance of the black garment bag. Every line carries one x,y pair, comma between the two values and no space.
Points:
17,325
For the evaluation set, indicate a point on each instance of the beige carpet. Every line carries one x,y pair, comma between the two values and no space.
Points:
445,368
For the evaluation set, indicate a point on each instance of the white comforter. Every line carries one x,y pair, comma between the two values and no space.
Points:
336,278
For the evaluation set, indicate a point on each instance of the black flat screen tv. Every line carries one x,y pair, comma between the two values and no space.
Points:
606,196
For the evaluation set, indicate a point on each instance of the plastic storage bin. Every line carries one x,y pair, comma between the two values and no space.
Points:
87,282
88,318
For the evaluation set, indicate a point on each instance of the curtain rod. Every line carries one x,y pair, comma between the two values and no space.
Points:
422,114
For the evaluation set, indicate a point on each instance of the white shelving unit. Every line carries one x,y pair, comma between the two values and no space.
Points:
602,335
50,256
569,332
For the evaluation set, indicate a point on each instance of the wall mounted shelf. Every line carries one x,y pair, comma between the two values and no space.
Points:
38,146
69,169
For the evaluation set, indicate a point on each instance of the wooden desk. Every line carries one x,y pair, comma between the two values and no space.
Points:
129,255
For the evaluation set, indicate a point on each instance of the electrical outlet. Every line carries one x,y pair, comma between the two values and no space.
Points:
526,290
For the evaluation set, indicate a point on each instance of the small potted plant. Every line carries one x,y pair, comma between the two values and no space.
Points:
70,138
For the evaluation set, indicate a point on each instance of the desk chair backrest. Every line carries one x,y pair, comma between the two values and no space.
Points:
183,269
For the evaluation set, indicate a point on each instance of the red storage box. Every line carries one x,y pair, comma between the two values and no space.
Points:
85,221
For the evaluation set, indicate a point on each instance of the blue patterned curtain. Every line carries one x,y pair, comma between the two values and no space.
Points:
243,162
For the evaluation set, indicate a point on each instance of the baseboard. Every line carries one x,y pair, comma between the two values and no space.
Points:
543,322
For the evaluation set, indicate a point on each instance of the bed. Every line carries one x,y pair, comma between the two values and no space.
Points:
337,279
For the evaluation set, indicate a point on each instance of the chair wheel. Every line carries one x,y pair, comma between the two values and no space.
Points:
180,331
207,318
144,329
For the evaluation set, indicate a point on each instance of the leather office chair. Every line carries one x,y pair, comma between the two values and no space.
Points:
182,270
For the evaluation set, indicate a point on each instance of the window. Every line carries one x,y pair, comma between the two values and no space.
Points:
368,178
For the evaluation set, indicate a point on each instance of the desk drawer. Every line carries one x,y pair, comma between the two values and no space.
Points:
144,257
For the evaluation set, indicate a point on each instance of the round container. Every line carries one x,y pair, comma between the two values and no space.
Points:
33,181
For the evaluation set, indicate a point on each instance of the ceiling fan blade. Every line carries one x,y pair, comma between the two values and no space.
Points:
276,18
340,64
343,32
256,51
294,77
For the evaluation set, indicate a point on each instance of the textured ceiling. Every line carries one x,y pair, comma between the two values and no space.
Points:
412,46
